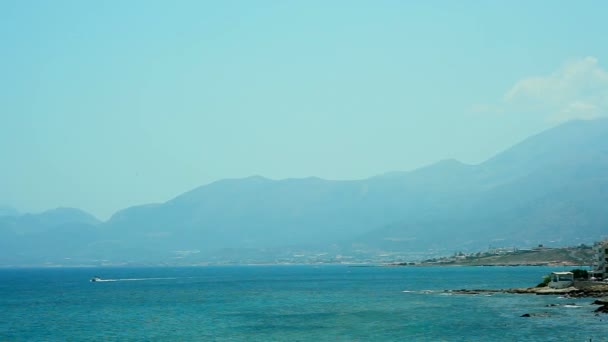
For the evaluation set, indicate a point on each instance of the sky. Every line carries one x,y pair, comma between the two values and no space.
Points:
110,104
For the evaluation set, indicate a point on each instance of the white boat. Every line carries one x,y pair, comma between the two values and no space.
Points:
94,279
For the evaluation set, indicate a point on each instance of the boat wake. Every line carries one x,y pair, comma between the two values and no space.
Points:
98,280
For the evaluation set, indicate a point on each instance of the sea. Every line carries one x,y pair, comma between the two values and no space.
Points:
287,303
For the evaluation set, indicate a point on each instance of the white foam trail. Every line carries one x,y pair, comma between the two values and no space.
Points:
129,279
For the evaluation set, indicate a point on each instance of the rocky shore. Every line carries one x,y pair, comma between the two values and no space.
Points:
580,289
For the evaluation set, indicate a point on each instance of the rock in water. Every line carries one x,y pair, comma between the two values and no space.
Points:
602,309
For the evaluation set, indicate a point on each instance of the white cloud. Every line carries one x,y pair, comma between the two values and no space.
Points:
579,110
577,90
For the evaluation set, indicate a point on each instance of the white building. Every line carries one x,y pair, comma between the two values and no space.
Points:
561,280
600,262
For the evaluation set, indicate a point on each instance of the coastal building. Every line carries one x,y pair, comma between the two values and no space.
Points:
561,280
600,262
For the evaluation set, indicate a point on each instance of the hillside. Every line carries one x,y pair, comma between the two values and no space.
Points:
565,256
550,188
48,237
8,211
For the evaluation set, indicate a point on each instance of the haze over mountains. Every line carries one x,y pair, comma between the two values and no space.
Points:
551,188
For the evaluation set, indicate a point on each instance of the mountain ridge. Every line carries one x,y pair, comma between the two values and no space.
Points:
549,187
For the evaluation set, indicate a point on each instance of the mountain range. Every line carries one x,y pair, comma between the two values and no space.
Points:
552,188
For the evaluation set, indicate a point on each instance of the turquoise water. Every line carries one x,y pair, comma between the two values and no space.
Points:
286,303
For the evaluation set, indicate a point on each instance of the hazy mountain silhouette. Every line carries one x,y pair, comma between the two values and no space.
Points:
49,236
550,187
8,211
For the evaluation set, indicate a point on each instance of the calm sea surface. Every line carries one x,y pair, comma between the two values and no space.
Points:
287,303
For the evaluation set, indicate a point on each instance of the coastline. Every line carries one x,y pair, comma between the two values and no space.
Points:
540,256
580,289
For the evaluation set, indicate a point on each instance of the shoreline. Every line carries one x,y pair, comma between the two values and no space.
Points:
580,289
486,265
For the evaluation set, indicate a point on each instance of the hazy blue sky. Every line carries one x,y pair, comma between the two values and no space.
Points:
108,104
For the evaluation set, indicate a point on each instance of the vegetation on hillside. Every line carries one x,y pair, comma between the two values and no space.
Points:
572,256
